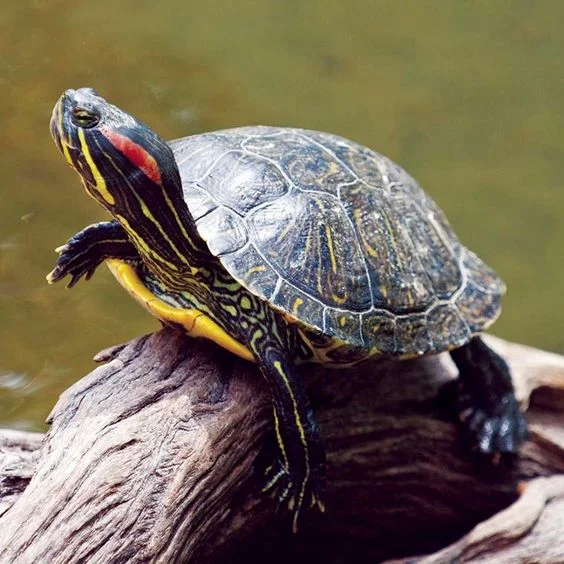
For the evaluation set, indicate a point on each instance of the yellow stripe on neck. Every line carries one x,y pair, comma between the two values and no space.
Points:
101,186
147,251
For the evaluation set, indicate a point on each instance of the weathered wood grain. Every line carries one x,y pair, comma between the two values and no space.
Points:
153,458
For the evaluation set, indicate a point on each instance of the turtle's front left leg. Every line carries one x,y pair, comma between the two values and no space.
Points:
84,252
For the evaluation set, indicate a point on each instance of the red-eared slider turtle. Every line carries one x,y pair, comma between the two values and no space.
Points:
286,246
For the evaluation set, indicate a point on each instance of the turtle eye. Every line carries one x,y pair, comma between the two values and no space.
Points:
84,118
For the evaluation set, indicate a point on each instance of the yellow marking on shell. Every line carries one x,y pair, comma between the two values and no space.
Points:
101,186
255,269
338,299
297,303
245,303
307,244
331,250
194,322
333,169
342,321
365,245
284,232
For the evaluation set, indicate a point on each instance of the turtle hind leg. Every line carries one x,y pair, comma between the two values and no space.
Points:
82,254
486,402
297,476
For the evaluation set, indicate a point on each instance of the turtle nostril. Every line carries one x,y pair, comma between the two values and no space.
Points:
69,94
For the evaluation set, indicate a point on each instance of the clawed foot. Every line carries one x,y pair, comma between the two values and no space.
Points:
495,431
74,260
81,255
486,404
296,492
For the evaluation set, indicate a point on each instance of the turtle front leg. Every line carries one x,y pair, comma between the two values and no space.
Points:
84,252
487,405
298,474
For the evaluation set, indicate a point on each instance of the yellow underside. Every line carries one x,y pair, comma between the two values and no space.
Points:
194,322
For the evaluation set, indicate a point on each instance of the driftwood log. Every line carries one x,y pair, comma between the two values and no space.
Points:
157,456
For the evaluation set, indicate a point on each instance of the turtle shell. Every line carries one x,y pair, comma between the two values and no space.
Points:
336,236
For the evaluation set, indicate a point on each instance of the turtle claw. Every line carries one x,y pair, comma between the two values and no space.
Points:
65,268
296,493
75,261
272,477
81,255
494,434
52,277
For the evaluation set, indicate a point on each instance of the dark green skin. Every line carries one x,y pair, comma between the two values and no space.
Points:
346,242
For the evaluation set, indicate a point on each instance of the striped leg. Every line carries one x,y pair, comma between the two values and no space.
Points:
82,254
297,475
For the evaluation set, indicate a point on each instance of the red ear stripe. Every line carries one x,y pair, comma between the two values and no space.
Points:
136,154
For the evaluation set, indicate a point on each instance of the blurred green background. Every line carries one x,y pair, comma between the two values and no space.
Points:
467,96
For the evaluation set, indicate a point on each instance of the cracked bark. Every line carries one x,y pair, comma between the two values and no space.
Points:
152,457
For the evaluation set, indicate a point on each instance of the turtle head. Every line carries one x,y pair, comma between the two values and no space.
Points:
118,158
132,173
